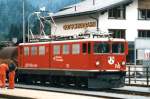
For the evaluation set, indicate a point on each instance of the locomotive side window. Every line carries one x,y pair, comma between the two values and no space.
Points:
65,49
75,48
89,48
101,47
33,50
84,48
26,51
41,50
118,47
56,49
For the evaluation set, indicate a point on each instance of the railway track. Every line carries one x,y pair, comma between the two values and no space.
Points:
109,93
129,92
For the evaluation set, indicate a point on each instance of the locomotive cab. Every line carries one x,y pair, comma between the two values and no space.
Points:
108,62
110,55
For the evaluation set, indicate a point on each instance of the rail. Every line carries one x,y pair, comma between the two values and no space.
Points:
138,75
127,92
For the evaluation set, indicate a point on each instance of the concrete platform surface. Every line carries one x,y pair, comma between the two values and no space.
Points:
37,94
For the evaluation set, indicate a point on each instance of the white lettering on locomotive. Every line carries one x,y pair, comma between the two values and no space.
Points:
58,58
30,65
117,66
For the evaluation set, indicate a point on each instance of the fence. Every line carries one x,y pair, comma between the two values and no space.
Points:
138,75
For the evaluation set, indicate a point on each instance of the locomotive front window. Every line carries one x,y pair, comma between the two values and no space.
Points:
118,47
101,47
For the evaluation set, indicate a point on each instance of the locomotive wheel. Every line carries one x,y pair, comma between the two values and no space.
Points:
55,81
78,82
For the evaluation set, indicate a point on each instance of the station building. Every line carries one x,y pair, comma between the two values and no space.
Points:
129,19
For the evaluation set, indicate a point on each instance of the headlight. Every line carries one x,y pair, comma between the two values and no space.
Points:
97,63
123,63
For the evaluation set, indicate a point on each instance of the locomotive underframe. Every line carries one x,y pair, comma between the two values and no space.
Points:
94,80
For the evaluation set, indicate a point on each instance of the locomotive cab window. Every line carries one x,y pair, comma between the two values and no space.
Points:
26,51
118,47
75,48
41,50
56,49
101,47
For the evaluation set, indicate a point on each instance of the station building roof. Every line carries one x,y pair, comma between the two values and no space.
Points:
88,7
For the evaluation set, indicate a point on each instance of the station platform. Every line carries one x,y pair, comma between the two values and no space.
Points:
135,88
19,93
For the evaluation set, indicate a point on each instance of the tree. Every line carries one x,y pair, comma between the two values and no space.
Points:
11,17
14,31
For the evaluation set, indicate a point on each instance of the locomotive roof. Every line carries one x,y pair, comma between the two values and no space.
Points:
77,40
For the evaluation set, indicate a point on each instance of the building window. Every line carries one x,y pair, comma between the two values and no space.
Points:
26,51
75,49
144,33
117,12
65,49
56,49
33,50
118,33
41,50
144,14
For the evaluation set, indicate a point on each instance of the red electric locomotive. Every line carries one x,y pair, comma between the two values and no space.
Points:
94,61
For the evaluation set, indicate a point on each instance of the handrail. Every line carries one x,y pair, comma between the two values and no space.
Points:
139,75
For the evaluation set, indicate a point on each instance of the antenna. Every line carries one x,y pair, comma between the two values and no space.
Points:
93,2
23,4
42,25
32,34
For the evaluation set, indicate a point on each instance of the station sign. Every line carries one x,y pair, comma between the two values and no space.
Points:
143,48
79,25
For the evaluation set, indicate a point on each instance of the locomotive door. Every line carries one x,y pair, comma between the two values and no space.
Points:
20,58
86,51
89,53
44,56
